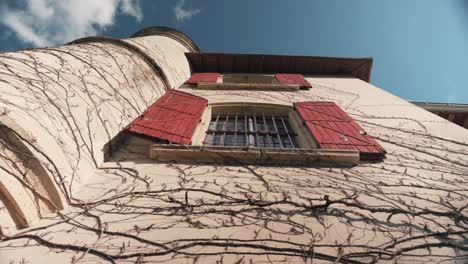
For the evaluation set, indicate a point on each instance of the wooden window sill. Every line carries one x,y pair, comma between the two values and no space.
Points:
248,86
252,156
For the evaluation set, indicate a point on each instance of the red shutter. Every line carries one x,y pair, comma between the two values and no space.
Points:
210,77
172,117
296,79
334,129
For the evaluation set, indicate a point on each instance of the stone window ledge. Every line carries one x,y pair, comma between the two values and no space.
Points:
253,156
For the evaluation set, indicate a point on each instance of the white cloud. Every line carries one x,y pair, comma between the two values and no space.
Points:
50,22
24,32
183,14
131,8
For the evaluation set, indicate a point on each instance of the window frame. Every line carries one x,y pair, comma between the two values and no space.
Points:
303,138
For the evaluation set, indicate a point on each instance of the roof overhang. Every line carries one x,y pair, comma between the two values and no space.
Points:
255,63
455,113
443,107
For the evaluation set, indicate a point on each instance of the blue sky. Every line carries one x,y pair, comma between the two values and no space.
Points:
420,47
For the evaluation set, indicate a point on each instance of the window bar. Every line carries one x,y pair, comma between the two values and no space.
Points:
246,130
225,126
235,130
214,132
287,132
267,130
255,136
276,129
265,127
254,118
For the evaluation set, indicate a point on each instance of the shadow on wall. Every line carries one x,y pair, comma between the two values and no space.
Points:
31,192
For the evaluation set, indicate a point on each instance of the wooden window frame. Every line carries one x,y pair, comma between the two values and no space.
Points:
249,84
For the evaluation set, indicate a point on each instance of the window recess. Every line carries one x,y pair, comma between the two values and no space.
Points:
250,130
253,133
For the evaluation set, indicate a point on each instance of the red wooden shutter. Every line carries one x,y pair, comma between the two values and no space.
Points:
210,77
296,79
172,117
334,129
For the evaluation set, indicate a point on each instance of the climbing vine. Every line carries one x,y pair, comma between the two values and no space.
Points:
412,207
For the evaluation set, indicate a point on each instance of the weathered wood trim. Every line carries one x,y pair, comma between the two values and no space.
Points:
248,86
254,156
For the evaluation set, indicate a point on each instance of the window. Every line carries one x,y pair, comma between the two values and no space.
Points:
255,133
250,130
249,78
247,81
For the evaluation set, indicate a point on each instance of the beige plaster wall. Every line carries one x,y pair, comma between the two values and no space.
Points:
71,101
410,208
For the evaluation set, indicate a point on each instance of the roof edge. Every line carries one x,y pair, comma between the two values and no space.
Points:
360,68
168,32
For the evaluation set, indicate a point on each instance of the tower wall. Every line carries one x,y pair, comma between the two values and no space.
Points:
68,103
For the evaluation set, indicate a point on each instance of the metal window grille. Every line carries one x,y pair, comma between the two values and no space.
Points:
250,130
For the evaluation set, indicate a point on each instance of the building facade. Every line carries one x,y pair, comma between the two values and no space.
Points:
147,150
455,113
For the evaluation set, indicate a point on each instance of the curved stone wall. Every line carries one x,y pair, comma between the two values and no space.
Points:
73,100
168,54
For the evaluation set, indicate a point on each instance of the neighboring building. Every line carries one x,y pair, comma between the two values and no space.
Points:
455,113
147,150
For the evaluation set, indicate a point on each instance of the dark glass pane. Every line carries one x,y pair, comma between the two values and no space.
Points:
259,124
217,139
276,142
229,140
261,141
288,126
231,125
286,142
241,124
268,141
280,126
294,141
270,125
220,125
240,140
208,139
